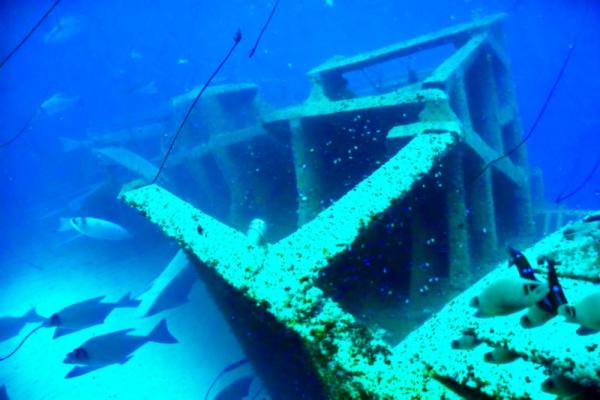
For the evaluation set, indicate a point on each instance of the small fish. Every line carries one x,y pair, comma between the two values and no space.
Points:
59,103
113,348
237,390
585,313
509,295
3,394
11,326
95,228
565,388
183,61
500,355
64,29
466,342
85,314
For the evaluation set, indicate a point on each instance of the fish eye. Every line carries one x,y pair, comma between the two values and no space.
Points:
55,319
80,354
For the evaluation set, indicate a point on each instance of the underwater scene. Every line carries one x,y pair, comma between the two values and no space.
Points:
312,199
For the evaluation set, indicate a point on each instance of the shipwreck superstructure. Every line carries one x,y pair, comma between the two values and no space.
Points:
379,213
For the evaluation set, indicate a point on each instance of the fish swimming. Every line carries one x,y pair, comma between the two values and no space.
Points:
500,355
64,29
11,326
466,342
237,390
585,313
59,103
113,348
116,136
129,160
509,295
85,314
95,228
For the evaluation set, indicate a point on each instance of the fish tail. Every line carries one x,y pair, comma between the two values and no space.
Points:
161,334
127,302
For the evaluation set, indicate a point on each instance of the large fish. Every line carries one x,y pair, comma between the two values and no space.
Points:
120,135
585,313
509,295
11,326
95,228
86,314
113,348
59,103
129,160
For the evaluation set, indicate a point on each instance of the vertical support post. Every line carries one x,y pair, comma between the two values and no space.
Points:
306,165
458,243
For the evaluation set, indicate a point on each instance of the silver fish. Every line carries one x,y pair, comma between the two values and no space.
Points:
95,228
65,28
113,348
509,295
85,314
59,103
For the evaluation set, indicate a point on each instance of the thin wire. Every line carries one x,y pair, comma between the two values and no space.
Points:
264,28
22,130
22,342
546,101
22,42
236,40
563,197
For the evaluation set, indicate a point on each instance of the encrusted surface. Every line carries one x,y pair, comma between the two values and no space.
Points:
279,278
554,346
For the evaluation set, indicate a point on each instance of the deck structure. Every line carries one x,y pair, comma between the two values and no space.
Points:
391,216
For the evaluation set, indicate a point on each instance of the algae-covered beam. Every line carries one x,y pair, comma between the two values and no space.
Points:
363,60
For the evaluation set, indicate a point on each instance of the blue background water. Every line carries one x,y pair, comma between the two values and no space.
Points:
118,45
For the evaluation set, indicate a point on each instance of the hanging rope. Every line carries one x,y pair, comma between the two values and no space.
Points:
540,114
236,40
264,28
26,37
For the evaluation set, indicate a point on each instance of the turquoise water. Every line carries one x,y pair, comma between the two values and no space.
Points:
96,78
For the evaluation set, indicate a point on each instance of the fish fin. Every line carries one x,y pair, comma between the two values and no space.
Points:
124,360
62,332
32,316
583,331
64,224
127,302
161,334
69,145
78,371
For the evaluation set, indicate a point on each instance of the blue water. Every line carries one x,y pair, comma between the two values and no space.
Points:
121,63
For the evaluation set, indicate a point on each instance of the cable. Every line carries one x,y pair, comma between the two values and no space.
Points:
22,42
22,130
264,28
22,342
546,101
236,40
562,196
